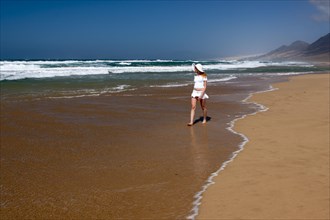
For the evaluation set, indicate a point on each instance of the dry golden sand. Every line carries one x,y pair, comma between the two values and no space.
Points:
283,172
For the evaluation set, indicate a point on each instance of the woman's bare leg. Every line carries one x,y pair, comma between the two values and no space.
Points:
192,111
203,106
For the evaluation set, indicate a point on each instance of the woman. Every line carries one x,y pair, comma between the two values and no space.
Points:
198,93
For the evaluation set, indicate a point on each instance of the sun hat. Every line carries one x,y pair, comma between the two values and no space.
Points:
198,66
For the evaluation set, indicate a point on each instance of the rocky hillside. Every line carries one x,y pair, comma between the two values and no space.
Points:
321,46
301,51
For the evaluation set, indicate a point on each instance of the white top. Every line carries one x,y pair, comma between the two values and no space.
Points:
199,81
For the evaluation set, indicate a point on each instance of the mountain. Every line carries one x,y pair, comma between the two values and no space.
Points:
301,51
321,46
286,52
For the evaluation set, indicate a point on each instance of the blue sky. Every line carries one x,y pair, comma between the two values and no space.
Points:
156,29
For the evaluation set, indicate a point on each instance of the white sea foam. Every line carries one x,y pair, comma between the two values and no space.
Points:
222,80
253,64
120,87
14,70
170,85
88,92
125,63
291,63
199,195
291,73
71,96
149,69
46,73
236,65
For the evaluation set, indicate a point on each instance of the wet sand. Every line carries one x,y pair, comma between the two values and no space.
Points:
127,155
283,171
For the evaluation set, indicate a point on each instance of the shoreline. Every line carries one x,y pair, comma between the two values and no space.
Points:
211,205
199,195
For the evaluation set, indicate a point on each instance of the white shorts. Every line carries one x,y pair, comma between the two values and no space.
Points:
195,94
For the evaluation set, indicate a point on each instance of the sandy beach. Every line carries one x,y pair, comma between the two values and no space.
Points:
283,171
126,154
118,155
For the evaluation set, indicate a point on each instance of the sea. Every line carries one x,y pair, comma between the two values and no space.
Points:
108,139
79,78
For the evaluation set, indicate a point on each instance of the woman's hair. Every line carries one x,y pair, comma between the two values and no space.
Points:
203,74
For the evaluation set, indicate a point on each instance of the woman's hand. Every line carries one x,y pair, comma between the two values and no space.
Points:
202,95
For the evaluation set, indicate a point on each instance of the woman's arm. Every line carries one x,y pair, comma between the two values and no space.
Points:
203,89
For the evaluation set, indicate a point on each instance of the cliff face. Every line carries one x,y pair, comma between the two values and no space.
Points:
301,51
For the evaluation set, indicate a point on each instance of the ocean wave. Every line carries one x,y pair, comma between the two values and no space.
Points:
125,63
15,70
222,80
290,73
170,85
149,69
69,94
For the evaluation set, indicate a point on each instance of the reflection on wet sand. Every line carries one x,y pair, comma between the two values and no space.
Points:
199,148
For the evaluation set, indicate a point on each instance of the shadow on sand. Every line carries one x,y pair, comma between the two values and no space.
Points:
199,120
